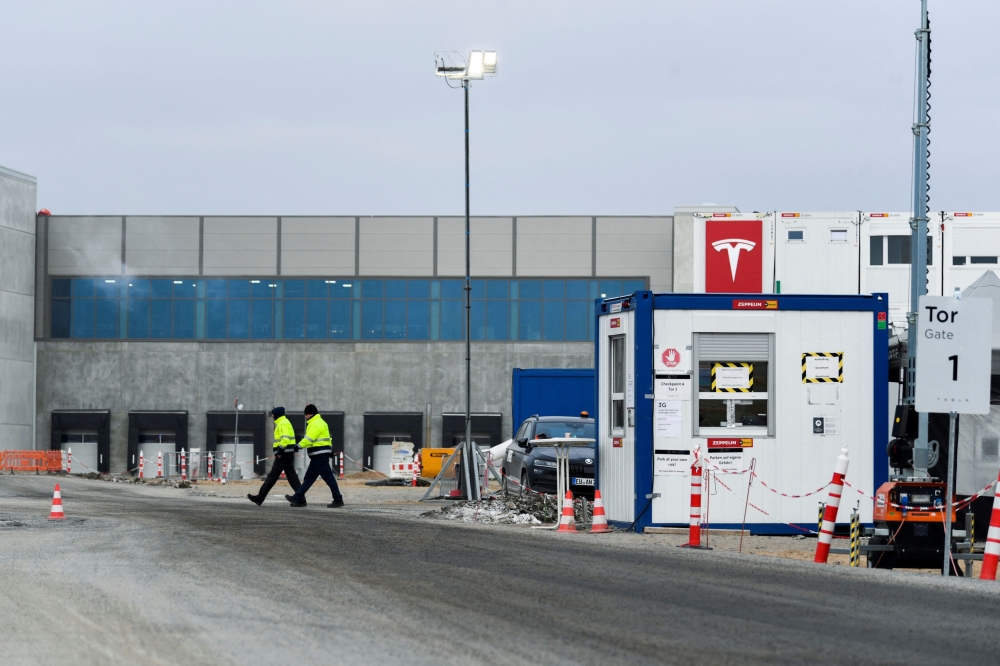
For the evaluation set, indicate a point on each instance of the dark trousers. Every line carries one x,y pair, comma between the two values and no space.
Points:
283,462
319,466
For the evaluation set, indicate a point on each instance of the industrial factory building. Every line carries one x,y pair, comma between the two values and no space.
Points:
129,333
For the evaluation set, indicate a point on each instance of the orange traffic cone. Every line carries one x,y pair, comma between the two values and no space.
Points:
57,510
600,524
566,522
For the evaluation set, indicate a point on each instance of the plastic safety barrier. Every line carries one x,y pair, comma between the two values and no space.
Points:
31,461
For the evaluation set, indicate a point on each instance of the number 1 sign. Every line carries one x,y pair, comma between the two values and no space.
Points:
953,355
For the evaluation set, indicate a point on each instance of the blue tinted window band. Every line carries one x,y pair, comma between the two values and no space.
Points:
336,308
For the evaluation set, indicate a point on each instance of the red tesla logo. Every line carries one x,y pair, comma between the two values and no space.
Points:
733,256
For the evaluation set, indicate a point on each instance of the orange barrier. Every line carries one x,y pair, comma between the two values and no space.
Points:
31,461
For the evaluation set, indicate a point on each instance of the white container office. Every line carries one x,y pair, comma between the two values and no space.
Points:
885,260
777,382
971,246
817,253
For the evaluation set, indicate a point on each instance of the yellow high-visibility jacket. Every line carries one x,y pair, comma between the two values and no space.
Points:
284,435
317,441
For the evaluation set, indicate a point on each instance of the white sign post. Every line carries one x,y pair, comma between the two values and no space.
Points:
953,370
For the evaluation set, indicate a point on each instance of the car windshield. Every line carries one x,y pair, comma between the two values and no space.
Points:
550,429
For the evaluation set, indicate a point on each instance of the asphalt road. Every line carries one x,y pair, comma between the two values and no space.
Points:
156,576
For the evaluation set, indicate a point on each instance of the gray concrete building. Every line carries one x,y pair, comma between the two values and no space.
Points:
148,327
17,302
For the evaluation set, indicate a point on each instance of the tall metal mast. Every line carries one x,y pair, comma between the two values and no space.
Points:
918,223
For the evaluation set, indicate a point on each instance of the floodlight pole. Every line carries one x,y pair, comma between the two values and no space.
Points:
918,224
471,478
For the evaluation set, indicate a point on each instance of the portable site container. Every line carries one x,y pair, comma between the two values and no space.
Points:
779,382
817,253
971,244
885,260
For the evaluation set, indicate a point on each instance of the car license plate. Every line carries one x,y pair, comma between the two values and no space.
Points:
577,481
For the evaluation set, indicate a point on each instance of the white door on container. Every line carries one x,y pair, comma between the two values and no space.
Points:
617,415
84,445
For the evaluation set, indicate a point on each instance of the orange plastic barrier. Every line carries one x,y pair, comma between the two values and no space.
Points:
31,461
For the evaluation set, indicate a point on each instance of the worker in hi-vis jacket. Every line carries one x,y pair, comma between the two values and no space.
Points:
318,444
284,456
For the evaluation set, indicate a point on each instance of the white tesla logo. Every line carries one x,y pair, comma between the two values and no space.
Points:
733,247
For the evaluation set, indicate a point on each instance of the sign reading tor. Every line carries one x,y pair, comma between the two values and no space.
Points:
953,354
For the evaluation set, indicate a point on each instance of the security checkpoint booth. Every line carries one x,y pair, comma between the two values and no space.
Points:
777,384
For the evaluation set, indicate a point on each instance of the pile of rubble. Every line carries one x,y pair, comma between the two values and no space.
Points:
531,509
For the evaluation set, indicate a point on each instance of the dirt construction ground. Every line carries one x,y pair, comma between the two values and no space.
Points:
138,574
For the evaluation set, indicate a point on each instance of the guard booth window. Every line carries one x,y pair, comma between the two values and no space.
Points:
617,358
734,384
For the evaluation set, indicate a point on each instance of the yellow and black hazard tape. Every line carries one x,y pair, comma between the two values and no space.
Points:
748,389
824,380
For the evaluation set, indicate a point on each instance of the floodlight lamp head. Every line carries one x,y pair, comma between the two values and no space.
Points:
452,65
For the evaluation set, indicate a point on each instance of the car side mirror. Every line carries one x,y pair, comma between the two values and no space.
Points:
522,442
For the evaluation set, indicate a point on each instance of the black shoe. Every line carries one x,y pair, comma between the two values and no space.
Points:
294,502
256,499
336,504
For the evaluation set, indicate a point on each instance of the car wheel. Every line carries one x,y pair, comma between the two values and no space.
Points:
525,484
506,490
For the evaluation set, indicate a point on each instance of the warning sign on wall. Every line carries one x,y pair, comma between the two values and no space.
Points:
726,462
732,377
670,463
822,367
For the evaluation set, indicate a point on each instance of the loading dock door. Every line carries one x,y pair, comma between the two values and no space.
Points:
84,421
157,431
84,447
150,444
386,425
487,429
252,434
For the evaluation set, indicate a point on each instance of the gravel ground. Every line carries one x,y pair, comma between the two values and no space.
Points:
152,575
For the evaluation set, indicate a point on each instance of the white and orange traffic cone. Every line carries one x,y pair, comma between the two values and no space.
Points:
57,510
600,524
992,553
567,523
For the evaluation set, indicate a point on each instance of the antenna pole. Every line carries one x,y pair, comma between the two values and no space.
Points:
918,224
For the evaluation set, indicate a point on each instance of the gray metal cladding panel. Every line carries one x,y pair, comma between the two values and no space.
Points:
637,246
490,244
554,246
17,204
397,246
241,246
17,261
317,246
85,245
16,326
161,245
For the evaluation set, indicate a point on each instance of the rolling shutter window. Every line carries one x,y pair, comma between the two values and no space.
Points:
734,346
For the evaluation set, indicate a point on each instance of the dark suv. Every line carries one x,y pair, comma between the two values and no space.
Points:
530,465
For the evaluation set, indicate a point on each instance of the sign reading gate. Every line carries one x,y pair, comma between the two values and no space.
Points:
953,354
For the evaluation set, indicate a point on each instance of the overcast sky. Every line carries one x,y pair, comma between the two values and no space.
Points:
214,107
